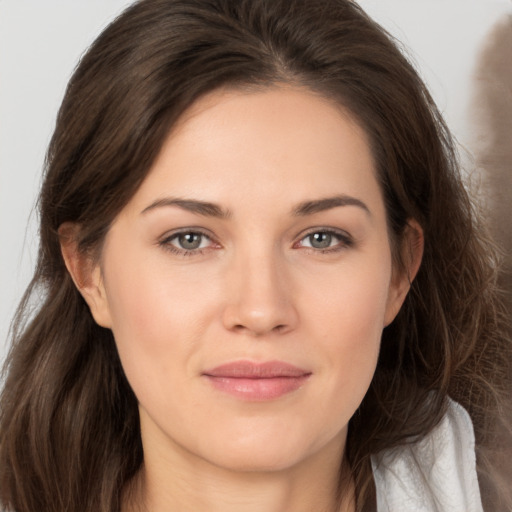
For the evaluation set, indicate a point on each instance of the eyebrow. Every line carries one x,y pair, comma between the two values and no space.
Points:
303,209
192,205
320,205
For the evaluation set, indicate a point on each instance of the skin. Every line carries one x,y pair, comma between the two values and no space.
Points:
258,288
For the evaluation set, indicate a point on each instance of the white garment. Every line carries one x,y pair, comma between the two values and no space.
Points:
437,474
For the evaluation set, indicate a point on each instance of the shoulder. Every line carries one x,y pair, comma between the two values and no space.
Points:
437,473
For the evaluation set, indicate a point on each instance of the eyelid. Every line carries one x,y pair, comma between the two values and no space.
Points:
165,241
346,240
188,229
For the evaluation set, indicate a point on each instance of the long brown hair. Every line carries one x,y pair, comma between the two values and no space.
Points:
69,427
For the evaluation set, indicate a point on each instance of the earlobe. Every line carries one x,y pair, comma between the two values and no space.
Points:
85,273
412,254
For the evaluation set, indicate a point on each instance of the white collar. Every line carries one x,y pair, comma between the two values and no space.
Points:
436,474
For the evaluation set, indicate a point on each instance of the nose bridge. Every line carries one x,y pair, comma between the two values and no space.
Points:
260,300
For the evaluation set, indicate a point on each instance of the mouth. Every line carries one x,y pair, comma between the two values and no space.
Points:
253,381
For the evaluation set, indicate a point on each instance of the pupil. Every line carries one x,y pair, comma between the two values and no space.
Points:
190,240
320,240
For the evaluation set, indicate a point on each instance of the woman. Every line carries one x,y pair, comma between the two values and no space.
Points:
262,278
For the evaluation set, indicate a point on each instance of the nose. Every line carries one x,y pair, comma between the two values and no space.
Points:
260,299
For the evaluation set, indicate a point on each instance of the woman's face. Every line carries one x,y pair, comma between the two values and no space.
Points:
248,280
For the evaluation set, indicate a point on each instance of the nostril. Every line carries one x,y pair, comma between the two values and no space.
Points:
259,331
259,315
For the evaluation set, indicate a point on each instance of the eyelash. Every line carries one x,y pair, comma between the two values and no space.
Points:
167,245
344,241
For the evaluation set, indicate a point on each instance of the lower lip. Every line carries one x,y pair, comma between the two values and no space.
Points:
257,389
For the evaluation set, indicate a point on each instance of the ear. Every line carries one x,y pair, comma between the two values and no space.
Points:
85,272
402,278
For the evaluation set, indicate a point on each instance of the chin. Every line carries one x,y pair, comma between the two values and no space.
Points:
256,460
269,451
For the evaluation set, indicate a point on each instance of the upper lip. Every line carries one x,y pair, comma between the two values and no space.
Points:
256,370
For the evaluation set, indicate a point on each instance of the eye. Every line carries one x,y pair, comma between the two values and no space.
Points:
187,242
190,241
326,240
320,240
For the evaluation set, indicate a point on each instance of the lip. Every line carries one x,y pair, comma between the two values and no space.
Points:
255,381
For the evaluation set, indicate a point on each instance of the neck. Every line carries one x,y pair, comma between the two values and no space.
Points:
197,486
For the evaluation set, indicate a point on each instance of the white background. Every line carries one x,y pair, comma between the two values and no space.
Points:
42,40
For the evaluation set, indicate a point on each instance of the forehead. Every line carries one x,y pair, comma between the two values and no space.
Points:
278,143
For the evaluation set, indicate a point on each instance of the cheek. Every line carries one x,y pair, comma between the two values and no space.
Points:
353,344
351,303
143,308
347,319
160,317
149,301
